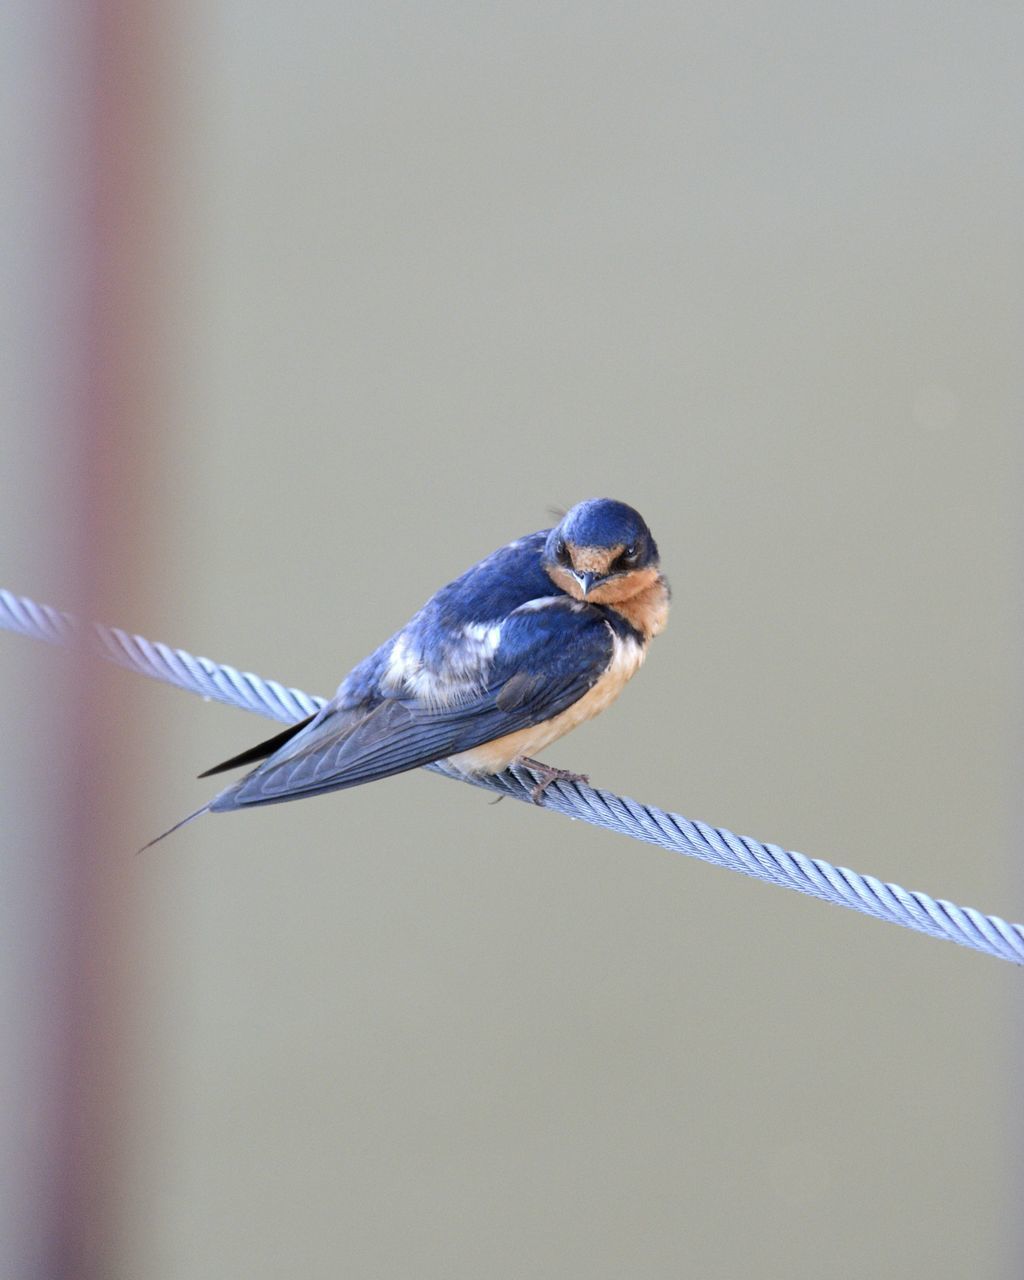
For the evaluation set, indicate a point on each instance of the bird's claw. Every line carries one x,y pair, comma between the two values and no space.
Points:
548,773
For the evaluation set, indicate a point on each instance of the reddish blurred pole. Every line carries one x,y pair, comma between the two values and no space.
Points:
111,362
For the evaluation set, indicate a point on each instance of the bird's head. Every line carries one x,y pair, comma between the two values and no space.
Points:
601,551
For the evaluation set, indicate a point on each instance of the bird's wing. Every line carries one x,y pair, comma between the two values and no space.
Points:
546,660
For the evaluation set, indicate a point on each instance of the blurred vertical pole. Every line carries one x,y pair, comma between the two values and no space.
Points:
102,443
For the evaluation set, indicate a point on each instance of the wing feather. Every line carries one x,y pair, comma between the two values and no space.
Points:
546,661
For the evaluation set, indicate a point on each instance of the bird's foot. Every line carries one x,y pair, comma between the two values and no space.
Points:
548,774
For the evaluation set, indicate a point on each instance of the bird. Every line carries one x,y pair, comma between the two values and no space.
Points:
530,642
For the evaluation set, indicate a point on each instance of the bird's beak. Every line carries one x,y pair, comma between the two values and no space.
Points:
586,581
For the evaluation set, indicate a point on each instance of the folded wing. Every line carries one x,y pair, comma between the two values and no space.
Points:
546,660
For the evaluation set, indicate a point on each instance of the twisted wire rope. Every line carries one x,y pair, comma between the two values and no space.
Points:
813,876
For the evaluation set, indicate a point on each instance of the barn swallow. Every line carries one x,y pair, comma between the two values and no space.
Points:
532,641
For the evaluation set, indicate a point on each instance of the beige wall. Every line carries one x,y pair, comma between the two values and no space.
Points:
421,273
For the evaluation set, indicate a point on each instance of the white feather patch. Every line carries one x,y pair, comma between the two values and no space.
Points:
464,666
483,638
541,602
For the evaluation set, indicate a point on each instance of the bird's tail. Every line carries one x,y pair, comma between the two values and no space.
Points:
262,749
170,830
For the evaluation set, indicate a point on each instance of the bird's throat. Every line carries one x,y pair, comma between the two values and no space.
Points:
645,610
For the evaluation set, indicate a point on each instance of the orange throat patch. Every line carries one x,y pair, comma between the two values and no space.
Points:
641,597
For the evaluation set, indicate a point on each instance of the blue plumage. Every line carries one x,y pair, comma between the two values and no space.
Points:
435,636
603,522
546,661
535,639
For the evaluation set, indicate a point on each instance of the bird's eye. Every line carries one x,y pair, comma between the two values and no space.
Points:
629,557
562,551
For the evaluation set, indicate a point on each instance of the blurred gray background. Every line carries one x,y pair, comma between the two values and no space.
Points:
394,281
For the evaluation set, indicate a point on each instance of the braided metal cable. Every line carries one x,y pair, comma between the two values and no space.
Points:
158,661
820,879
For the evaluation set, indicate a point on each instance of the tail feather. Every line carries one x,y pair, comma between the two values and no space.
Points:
170,830
261,750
